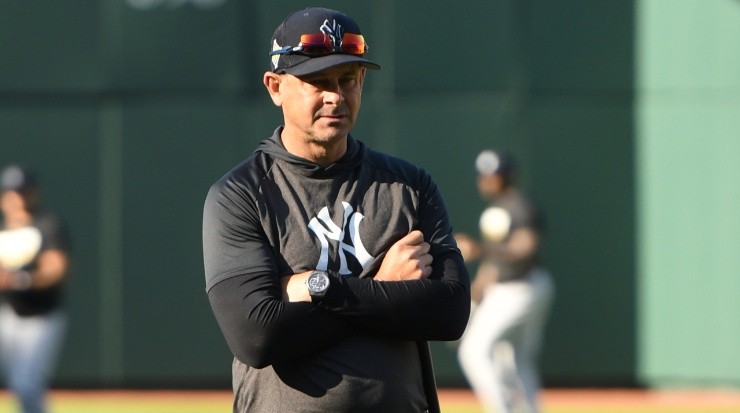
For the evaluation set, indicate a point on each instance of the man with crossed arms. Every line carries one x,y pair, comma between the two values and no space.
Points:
329,265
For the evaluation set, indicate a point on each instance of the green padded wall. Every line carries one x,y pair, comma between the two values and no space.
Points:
130,109
688,138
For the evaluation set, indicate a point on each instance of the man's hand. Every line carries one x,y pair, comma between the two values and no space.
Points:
407,259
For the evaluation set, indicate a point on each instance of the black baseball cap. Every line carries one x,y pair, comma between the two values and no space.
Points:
18,179
288,57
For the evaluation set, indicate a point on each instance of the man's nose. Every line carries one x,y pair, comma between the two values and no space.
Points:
333,93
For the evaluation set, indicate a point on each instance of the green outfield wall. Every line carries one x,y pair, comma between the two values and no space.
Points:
623,123
688,147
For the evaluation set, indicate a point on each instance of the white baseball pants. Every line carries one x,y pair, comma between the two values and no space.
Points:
498,352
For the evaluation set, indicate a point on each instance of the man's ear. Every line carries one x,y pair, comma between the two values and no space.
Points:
363,70
272,84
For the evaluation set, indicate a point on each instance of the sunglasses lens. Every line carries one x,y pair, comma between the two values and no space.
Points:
321,44
314,44
354,44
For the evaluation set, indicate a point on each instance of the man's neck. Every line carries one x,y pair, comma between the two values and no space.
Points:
18,219
320,152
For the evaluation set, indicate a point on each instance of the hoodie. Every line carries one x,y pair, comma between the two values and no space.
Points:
363,346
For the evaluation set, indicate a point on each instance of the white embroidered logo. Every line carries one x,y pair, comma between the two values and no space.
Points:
334,30
276,57
325,230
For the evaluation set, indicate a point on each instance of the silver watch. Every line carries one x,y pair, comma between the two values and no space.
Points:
318,283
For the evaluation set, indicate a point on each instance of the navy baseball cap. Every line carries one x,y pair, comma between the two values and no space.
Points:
314,39
18,179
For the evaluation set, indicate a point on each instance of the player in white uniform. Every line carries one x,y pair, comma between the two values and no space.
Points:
33,267
511,294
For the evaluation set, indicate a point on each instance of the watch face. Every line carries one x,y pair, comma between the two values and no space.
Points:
318,282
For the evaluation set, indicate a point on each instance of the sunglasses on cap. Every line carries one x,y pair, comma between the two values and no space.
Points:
321,44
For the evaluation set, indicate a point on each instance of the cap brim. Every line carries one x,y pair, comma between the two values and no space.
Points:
318,64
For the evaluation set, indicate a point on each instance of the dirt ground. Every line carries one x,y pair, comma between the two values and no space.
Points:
621,397
551,397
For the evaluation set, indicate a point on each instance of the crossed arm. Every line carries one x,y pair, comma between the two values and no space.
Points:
414,296
408,259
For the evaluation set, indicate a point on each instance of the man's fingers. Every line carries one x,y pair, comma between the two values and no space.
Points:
407,259
425,262
414,237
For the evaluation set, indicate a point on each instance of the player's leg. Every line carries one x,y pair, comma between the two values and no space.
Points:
476,357
530,337
38,340
8,321
490,376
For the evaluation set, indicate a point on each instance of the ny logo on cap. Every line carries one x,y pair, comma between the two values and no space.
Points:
335,31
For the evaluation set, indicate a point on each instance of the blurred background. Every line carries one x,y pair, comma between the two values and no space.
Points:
624,115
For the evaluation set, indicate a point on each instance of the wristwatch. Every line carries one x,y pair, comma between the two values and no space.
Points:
317,283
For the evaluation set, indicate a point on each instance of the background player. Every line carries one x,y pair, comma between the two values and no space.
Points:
33,265
511,293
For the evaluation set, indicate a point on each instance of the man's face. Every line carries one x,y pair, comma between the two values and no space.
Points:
490,185
11,203
322,107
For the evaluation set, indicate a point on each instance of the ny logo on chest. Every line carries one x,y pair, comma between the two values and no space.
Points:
326,230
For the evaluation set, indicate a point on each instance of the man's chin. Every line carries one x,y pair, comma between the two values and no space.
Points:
332,133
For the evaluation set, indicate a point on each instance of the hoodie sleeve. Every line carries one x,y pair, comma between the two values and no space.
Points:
244,290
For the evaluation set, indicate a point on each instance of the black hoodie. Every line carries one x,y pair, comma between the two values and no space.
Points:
363,347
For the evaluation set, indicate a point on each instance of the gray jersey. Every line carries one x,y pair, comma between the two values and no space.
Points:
521,213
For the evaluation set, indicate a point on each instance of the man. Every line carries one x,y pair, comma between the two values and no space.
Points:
511,293
329,265
33,267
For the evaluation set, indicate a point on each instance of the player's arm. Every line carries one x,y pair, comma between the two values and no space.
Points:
487,276
245,293
50,266
50,270
522,244
469,248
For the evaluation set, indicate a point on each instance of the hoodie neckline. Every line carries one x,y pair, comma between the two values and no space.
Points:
274,147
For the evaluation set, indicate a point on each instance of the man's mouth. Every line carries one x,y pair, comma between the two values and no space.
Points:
333,116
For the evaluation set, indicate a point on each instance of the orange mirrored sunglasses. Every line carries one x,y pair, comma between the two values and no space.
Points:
321,44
